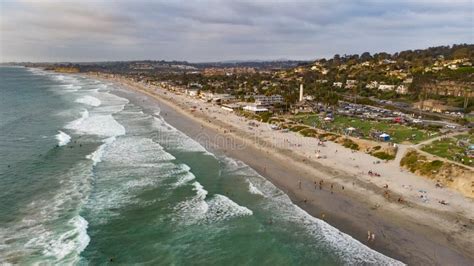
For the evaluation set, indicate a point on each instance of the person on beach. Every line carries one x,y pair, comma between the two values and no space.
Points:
299,184
368,236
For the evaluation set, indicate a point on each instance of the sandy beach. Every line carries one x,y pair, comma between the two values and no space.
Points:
419,230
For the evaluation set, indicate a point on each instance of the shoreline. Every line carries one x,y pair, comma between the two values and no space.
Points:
350,210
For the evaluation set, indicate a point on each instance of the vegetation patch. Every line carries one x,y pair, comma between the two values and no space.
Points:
454,149
417,163
309,132
383,155
348,143
364,127
297,128
264,117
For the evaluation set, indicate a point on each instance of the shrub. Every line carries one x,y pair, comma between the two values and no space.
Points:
383,155
430,167
415,162
309,132
348,143
409,160
297,128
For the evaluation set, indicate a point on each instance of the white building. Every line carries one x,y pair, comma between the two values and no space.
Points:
192,92
383,87
337,84
402,89
230,107
372,85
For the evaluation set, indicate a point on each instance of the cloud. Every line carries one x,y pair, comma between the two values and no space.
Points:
220,30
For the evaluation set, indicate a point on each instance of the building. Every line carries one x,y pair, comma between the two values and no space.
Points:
268,100
402,89
435,106
372,85
383,87
450,88
303,107
351,83
192,92
255,108
222,98
214,71
337,84
231,106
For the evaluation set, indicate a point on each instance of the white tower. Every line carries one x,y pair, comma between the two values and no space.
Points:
301,92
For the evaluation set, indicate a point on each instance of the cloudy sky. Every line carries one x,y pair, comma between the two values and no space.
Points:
212,30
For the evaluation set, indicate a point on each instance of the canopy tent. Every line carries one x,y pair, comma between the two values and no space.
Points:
384,137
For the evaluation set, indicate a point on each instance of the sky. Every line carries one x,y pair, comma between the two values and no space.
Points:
213,30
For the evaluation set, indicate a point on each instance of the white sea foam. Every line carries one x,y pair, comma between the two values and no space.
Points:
89,100
349,249
70,243
137,150
253,189
223,208
177,139
184,177
70,87
63,138
59,77
199,210
101,125
129,165
96,156
43,230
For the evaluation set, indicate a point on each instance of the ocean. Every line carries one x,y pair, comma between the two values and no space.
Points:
89,178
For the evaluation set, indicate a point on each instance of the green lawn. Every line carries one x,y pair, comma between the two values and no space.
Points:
448,148
468,137
398,133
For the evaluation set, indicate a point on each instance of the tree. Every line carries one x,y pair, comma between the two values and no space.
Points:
461,53
365,56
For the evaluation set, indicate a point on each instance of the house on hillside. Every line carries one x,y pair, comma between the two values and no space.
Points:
384,87
304,106
401,89
435,106
337,84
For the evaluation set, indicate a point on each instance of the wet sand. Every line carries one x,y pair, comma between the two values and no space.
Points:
351,210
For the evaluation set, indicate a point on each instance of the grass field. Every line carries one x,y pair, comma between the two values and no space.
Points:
399,133
448,148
